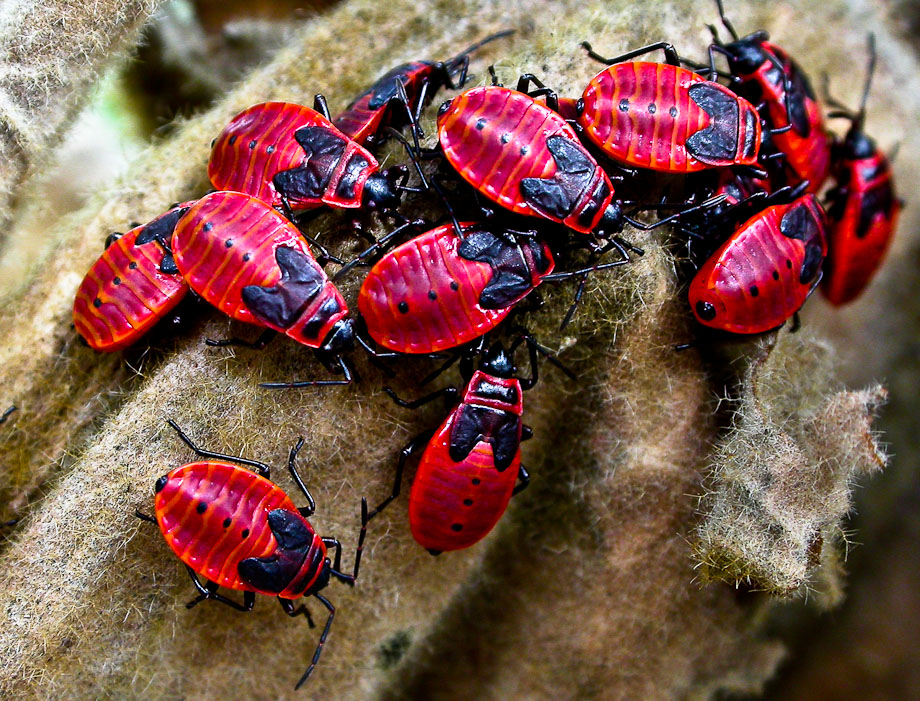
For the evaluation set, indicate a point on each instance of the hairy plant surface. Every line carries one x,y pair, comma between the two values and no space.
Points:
656,477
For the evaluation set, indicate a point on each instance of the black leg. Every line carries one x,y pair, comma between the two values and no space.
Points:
260,343
380,244
305,511
144,517
301,610
421,401
524,481
6,414
416,444
322,640
670,54
346,380
209,592
319,104
261,467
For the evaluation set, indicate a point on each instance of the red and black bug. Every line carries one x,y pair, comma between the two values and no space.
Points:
292,156
768,76
472,462
862,207
527,158
246,259
239,530
133,285
664,117
443,289
765,271
400,95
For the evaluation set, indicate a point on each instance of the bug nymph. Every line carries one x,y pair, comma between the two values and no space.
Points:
471,465
239,530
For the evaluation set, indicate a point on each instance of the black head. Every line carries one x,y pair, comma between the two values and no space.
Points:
341,337
745,55
498,362
857,144
612,221
160,483
380,192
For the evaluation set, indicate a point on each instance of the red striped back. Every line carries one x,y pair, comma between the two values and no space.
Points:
228,241
641,113
257,144
427,264
214,515
125,294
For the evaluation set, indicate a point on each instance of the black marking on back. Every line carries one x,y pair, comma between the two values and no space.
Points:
322,148
797,98
799,222
384,89
475,423
160,229
274,572
312,328
301,280
511,277
877,201
353,169
718,141
557,196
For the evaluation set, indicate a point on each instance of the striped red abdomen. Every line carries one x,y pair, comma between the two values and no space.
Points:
862,225
214,516
257,144
453,505
424,297
125,294
764,272
496,138
643,114
230,243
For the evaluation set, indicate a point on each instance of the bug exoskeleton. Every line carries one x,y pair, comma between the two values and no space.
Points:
386,104
246,259
471,465
862,207
239,530
439,291
768,75
133,285
667,118
287,154
527,158
765,271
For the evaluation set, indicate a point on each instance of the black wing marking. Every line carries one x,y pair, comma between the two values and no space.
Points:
799,223
512,277
718,141
275,572
160,229
301,280
322,148
557,196
876,202
474,423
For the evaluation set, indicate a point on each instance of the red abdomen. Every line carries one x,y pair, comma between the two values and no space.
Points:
125,293
455,503
863,216
764,272
318,163
523,156
247,260
433,292
214,515
257,144
667,118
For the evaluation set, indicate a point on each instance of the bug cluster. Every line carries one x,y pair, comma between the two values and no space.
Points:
543,175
